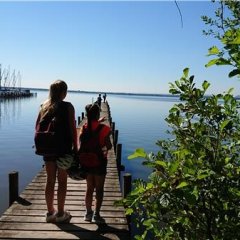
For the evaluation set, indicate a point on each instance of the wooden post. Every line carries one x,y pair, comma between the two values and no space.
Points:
13,187
127,184
119,157
79,120
127,187
113,128
115,140
82,115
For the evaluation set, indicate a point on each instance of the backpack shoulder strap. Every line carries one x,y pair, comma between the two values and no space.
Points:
93,133
98,129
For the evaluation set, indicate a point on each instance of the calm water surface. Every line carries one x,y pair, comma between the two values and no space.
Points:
139,120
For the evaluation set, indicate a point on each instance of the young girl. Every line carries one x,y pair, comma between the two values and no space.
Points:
96,176
65,125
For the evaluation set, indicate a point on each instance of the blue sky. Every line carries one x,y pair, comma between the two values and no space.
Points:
123,46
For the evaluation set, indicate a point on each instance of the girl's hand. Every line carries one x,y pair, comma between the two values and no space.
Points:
102,119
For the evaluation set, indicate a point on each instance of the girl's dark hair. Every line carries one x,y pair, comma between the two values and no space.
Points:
93,113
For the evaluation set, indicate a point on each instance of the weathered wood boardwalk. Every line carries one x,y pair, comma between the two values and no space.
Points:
25,218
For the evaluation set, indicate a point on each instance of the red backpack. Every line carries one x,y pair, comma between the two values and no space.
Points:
90,153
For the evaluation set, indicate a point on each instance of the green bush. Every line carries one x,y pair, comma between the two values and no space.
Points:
193,191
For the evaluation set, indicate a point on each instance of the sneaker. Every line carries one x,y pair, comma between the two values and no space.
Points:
50,217
65,218
97,218
88,216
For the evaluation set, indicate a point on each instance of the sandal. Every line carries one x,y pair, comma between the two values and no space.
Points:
50,217
97,219
65,218
88,216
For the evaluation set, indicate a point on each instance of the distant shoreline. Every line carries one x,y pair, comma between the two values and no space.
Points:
110,93
120,93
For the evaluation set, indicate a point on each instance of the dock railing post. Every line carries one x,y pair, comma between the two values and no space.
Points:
13,187
119,156
79,120
120,167
115,140
127,184
110,117
113,128
82,115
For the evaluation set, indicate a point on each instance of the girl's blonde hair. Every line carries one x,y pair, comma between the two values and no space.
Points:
56,92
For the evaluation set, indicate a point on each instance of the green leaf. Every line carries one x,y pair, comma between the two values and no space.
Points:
195,192
224,124
233,35
211,62
164,184
234,73
161,163
185,72
182,184
202,176
191,79
227,159
230,90
149,186
129,211
205,85
177,84
218,61
139,153
223,61
173,109
213,51
173,167
235,41
148,223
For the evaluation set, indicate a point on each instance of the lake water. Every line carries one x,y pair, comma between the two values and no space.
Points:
139,120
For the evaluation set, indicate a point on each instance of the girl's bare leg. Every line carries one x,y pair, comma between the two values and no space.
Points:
99,184
89,192
62,190
51,169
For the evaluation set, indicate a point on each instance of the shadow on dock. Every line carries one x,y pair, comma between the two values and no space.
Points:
102,232
23,201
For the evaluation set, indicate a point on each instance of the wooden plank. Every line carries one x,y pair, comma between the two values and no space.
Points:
65,227
31,195
108,185
107,212
71,207
69,235
78,192
41,219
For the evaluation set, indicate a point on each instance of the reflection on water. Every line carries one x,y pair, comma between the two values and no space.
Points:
11,108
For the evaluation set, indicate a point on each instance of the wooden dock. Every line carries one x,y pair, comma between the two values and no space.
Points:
25,218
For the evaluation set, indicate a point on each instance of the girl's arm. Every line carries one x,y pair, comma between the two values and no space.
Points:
107,141
73,129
